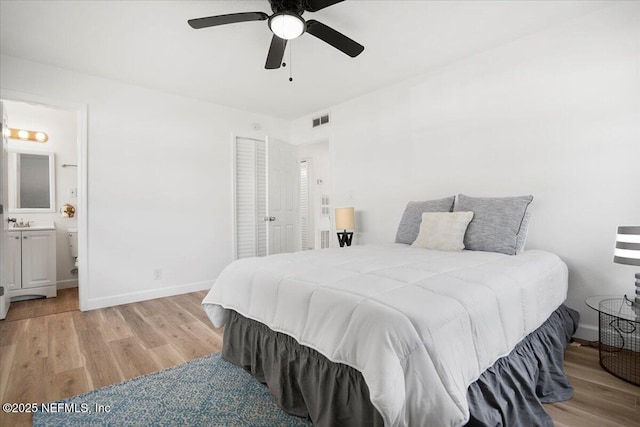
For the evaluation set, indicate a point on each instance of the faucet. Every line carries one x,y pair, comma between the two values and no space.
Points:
19,224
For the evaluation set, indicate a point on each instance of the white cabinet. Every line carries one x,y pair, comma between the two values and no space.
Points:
32,263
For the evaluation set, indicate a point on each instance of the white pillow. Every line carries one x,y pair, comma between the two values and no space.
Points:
443,231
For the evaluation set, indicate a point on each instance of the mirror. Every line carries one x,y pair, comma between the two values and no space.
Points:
31,181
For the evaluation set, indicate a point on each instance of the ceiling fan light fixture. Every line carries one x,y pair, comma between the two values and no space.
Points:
287,25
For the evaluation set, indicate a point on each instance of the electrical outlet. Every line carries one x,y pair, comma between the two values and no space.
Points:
157,274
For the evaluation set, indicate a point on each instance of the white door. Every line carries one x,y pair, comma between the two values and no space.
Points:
4,224
283,177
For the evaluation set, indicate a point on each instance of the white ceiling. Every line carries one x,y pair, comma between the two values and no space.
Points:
149,43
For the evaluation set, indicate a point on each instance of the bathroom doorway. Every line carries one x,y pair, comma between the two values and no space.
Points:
315,195
56,130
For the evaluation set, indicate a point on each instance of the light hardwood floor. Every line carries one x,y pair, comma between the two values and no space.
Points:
67,300
59,355
63,354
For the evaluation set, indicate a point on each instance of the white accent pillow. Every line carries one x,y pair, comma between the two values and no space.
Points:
443,231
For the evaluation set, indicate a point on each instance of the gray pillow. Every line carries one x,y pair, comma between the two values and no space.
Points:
522,235
409,226
496,223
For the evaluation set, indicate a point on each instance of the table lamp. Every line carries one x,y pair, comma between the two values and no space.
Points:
345,220
628,252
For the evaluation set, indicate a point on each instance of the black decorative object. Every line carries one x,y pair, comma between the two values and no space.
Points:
345,237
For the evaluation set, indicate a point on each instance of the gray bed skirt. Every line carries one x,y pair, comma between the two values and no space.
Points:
307,384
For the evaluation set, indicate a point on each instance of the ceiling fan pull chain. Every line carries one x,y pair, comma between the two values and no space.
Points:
290,62
284,46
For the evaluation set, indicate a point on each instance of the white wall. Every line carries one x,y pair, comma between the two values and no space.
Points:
61,127
555,114
159,181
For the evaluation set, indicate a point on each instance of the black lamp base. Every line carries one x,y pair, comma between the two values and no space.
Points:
345,237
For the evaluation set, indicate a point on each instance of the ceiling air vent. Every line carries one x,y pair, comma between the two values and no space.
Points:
319,121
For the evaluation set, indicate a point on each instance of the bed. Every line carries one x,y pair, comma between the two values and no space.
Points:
419,325
396,335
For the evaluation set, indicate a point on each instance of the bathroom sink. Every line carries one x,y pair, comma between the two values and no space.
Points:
34,227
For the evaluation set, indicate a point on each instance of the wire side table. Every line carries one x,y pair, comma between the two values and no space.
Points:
619,336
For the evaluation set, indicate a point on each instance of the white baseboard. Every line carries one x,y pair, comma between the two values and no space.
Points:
69,283
95,303
587,332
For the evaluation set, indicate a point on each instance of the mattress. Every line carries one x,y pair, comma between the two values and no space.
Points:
420,325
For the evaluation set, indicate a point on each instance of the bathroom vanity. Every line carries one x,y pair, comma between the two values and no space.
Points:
31,253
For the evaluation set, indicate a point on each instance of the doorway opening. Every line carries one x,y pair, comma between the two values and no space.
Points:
52,238
315,195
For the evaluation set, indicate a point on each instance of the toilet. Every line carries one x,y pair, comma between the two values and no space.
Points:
72,235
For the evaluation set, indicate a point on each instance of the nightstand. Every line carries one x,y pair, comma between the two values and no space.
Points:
619,336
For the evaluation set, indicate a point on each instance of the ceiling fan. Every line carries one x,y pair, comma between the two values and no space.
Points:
286,23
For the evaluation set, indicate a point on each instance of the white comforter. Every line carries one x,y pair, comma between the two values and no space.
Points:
420,325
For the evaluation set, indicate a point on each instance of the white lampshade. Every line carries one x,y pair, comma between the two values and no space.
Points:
345,219
627,245
287,26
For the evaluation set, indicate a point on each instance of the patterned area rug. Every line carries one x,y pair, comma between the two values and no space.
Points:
204,392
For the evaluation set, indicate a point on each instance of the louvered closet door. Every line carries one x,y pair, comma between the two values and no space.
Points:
250,198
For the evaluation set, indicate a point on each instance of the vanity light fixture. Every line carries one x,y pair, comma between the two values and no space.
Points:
27,135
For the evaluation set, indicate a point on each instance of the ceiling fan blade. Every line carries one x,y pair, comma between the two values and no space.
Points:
232,18
316,5
276,53
334,38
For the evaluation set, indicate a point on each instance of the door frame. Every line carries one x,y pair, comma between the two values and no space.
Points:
5,300
82,149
